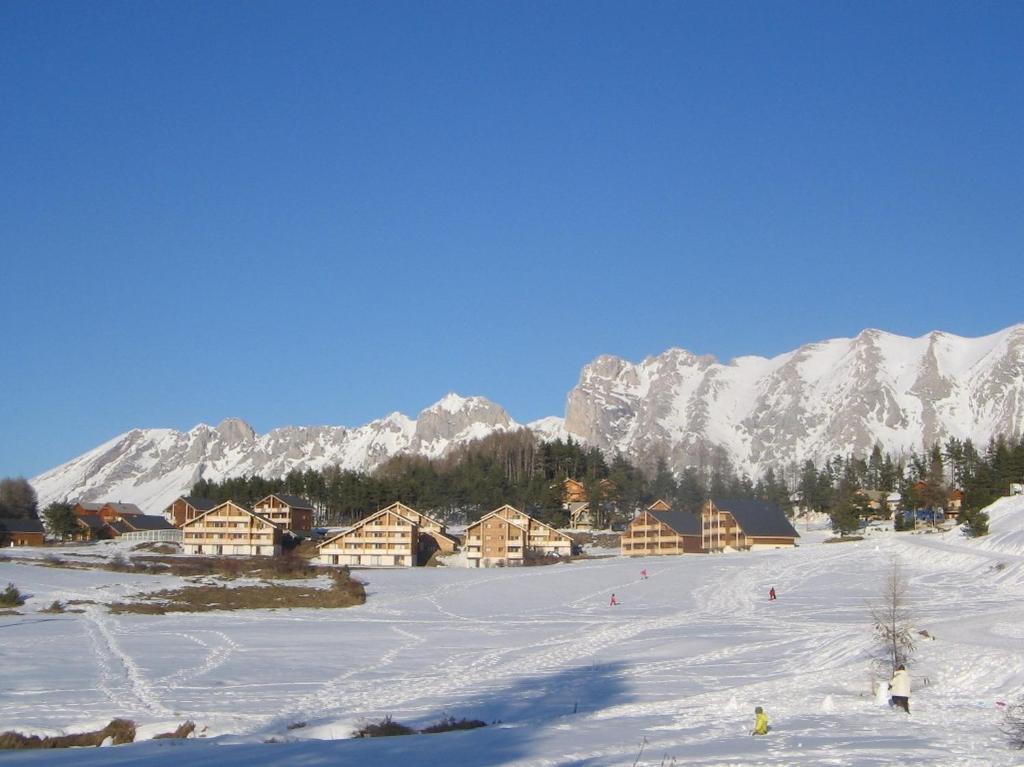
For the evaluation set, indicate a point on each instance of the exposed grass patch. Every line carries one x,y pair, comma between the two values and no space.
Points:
119,730
294,564
56,607
345,592
11,597
845,539
296,726
183,731
158,547
9,612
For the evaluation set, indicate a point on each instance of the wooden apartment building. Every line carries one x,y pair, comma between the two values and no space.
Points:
395,536
506,536
659,530
231,529
744,524
187,507
289,512
722,525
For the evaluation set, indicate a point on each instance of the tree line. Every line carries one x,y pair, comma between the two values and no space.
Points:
515,468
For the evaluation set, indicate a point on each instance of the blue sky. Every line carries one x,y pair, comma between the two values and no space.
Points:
323,212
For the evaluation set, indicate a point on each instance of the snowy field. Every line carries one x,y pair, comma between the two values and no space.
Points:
676,669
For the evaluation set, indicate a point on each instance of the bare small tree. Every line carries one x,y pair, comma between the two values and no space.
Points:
1013,724
893,622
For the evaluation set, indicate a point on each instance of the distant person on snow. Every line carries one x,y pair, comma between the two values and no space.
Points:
760,722
899,688
643,573
613,601
771,594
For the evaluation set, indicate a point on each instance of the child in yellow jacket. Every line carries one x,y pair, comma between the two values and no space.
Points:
760,722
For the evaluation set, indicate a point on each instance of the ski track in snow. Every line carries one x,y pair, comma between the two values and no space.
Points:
681,661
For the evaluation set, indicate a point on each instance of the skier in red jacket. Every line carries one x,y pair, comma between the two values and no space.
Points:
771,594
613,601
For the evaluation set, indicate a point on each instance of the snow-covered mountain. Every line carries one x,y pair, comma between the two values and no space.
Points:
151,467
830,397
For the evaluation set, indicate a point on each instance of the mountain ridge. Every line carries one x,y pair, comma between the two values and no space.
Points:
839,395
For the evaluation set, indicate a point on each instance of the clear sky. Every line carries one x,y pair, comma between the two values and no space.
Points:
319,213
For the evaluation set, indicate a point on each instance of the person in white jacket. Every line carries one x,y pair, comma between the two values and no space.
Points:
899,688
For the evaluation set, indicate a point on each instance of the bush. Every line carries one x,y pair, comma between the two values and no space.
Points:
450,723
119,563
385,728
56,607
11,597
119,730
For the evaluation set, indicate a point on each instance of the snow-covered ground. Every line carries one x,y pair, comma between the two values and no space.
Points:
676,669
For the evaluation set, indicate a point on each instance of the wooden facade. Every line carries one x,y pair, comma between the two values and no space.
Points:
581,517
185,508
660,505
289,512
232,530
574,491
660,532
21,532
744,525
507,536
395,536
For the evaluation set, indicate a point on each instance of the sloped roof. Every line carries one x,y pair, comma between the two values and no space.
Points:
682,522
149,522
92,521
120,526
199,504
757,517
90,506
576,506
18,525
124,508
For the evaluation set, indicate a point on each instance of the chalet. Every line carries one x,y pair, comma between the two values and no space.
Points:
289,512
21,532
580,516
744,524
660,505
231,529
112,511
954,502
92,528
396,536
108,512
82,509
574,491
893,501
506,536
187,507
661,531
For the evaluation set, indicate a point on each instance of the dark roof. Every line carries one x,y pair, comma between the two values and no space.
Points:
294,501
124,508
683,522
149,522
17,525
92,521
199,504
757,517
119,526
90,506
